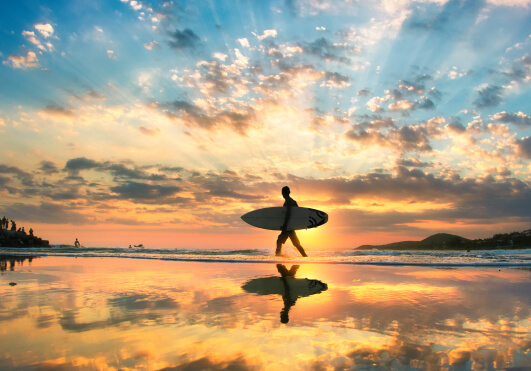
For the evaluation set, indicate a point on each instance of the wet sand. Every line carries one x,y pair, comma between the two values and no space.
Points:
109,313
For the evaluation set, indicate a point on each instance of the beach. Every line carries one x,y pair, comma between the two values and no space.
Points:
105,313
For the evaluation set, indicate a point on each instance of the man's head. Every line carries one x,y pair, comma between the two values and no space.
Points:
285,191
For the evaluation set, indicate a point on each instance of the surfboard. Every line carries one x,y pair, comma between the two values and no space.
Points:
298,287
272,218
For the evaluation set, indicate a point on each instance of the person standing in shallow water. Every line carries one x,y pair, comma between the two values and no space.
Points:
283,237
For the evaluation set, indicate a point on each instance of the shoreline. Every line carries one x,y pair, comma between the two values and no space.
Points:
275,260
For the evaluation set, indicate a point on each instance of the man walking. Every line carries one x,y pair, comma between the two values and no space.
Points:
283,237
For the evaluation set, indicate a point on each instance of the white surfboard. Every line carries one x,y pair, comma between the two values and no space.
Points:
272,218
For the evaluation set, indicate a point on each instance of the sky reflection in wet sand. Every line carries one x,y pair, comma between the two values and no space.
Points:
108,313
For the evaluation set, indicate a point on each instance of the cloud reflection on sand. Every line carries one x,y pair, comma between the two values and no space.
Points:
118,313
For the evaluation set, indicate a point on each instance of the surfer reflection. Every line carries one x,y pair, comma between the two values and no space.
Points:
287,296
289,287
283,236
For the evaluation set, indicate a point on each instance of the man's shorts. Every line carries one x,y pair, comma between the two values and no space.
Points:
283,237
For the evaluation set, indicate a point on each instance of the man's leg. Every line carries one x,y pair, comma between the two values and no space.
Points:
280,241
295,240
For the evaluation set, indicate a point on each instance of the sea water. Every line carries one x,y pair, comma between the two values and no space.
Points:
100,309
516,257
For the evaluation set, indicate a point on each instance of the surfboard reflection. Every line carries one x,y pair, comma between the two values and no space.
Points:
289,287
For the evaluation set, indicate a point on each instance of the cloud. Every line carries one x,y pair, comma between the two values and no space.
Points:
477,199
171,169
470,197
407,96
181,40
215,78
519,119
416,87
4,181
223,186
405,138
412,162
511,3
375,104
136,5
244,42
48,167
336,80
94,94
54,110
24,177
30,36
220,56
45,212
454,73
46,30
265,35
524,147
456,128
424,103
206,363
22,62
111,55
152,45
368,138
402,105
374,122
118,170
121,171
411,138
81,163
326,50
489,96
149,132
300,8
143,192
240,120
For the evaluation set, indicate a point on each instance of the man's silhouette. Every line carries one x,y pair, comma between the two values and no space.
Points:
282,238
288,300
290,288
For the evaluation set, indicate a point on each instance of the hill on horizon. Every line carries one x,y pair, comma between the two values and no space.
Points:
436,241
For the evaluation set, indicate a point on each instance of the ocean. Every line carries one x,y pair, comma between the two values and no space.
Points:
502,258
146,309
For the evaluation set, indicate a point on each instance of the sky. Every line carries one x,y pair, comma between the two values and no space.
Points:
126,122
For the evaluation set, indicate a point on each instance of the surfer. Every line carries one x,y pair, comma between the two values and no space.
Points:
77,244
283,237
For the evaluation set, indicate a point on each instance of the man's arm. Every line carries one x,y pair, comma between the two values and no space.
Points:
286,218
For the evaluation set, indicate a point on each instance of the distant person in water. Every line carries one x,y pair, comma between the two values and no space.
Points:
283,237
77,244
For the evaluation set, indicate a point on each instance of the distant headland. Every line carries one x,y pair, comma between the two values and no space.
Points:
13,237
445,241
